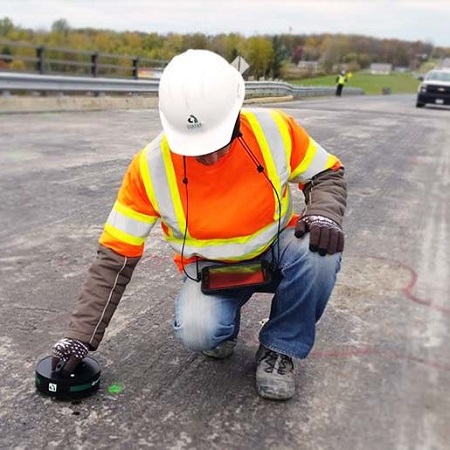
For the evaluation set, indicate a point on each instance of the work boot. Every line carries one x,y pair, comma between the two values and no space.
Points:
274,375
223,350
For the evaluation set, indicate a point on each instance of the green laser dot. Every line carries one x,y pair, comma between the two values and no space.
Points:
115,388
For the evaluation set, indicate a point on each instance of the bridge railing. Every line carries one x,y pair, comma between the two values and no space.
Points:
22,83
22,57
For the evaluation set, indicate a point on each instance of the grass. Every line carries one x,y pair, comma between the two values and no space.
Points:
399,83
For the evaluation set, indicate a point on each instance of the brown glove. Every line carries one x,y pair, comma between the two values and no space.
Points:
67,353
326,236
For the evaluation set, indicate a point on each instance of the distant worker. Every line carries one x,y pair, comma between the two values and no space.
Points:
341,79
217,178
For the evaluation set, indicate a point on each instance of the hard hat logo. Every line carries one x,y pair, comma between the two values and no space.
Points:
193,123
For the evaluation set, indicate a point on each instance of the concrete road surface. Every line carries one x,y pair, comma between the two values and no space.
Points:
379,374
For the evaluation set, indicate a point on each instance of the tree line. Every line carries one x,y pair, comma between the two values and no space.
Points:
269,56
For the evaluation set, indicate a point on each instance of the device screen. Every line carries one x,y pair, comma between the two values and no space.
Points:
223,277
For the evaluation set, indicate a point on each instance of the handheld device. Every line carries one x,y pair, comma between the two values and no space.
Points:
234,276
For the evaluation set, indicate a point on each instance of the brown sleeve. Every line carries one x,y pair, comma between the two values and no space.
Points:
107,278
326,195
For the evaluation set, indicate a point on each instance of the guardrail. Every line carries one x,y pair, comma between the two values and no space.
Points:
280,88
28,58
20,83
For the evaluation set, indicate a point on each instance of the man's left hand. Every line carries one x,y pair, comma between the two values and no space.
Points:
68,353
326,236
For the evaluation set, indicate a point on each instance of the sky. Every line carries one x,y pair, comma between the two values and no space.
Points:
411,20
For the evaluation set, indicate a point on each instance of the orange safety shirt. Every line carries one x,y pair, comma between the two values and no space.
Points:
227,202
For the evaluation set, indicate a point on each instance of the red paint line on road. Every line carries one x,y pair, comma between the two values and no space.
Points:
407,290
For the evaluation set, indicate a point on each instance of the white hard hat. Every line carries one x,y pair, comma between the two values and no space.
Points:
200,96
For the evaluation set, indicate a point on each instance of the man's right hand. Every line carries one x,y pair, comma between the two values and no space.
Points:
67,353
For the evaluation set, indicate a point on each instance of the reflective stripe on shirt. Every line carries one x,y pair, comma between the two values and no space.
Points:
127,225
316,160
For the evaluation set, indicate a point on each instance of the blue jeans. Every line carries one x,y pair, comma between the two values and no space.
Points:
302,286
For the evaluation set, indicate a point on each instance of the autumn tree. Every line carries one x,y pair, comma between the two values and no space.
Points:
333,51
259,54
172,45
196,40
228,45
297,54
279,55
61,27
6,26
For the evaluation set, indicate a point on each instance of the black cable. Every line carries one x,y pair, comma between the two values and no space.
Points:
260,169
235,134
185,182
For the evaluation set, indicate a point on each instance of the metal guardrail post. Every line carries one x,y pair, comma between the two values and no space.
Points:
135,73
40,63
94,64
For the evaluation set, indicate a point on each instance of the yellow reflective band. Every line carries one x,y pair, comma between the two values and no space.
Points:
265,149
287,143
122,236
128,212
321,161
243,247
173,187
307,160
143,166
331,161
285,135
128,225
219,256
268,159
242,240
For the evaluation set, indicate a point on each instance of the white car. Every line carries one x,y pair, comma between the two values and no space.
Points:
435,88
